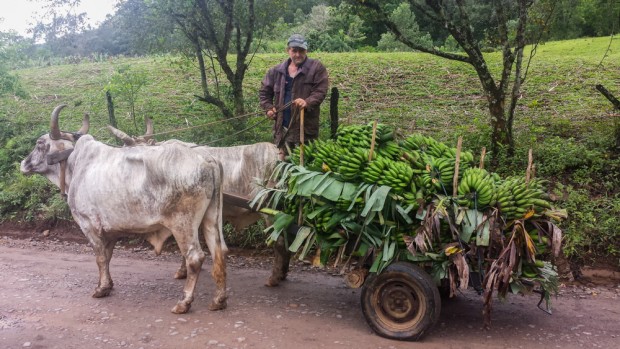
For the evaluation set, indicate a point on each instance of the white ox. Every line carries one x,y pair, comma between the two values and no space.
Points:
242,165
157,191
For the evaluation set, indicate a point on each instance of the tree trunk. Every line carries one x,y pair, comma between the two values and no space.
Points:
499,125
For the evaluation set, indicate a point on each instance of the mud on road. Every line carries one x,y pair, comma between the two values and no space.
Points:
46,287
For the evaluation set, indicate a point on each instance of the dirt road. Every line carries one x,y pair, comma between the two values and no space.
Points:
45,303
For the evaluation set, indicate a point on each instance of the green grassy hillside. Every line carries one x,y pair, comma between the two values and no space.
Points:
566,121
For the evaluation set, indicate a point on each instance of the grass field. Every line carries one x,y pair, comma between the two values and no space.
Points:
561,115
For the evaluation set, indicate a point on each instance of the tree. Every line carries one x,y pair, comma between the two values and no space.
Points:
404,19
456,18
218,30
60,25
10,43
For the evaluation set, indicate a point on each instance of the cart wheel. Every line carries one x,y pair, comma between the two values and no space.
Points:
401,303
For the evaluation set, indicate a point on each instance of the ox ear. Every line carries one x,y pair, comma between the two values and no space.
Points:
57,157
128,141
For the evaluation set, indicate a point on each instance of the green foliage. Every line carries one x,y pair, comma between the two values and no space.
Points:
126,84
405,20
30,198
556,155
9,83
592,228
252,237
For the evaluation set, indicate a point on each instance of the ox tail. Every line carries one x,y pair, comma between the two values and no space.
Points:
212,223
215,239
219,194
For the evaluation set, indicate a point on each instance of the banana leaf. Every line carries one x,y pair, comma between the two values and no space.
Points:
377,262
302,234
469,222
377,200
281,221
309,243
404,213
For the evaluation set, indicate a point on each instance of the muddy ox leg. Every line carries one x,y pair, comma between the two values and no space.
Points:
103,251
282,257
214,237
182,271
194,258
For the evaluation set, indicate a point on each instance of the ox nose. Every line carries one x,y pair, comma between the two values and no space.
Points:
25,167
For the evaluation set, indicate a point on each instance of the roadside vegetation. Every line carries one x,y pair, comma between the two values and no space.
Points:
152,72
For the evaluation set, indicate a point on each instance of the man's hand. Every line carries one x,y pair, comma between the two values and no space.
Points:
300,103
271,113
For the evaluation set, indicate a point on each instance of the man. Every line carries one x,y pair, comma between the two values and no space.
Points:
300,81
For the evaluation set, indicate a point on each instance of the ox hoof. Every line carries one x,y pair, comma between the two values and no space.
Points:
181,308
217,305
180,274
102,292
272,282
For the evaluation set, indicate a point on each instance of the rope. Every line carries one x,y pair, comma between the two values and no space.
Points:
218,121
230,135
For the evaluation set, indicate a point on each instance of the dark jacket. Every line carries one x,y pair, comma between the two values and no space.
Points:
310,83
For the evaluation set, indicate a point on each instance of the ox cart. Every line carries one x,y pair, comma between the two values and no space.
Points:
411,221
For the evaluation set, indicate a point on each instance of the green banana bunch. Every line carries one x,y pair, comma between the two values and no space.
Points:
320,220
326,155
441,172
415,159
373,172
343,205
398,175
384,133
412,197
476,188
515,197
352,162
466,160
354,136
389,149
291,207
309,156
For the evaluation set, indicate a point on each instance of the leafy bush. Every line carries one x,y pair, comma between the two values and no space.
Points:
555,155
30,198
591,229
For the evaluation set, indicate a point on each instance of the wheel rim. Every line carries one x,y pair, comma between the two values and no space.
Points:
398,304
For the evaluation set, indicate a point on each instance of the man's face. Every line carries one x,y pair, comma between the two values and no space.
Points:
297,54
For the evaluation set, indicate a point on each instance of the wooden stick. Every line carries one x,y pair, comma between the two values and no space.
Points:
300,218
301,137
372,142
482,155
530,160
457,163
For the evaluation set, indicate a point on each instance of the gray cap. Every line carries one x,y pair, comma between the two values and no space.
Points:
297,40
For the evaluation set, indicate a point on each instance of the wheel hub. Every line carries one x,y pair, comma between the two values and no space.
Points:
398,302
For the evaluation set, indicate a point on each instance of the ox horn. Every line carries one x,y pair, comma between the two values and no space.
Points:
85,124
149,129
128,141
54,129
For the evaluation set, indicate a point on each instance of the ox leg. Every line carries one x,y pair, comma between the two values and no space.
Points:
282,257
182,271
194,258
103,252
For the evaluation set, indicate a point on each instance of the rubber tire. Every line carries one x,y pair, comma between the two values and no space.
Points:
407,284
